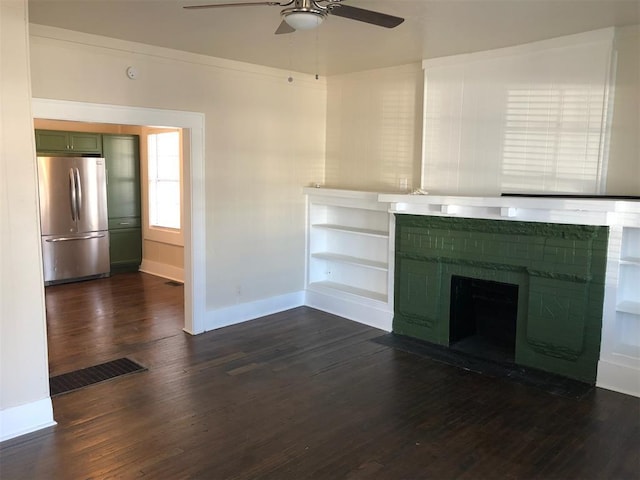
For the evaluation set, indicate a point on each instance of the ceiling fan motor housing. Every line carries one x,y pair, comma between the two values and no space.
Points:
305,14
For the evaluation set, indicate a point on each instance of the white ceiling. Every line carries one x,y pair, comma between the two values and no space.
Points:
432,28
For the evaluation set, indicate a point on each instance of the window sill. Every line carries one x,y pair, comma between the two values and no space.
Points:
164,235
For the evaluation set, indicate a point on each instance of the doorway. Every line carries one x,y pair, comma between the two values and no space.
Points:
193,174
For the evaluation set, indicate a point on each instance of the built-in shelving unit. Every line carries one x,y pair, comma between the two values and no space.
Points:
628,295
349,251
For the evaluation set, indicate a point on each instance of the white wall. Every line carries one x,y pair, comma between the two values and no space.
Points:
264,139
374,129
360,125
522,119
624,156
24,376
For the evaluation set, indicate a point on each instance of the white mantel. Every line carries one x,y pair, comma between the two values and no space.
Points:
581,211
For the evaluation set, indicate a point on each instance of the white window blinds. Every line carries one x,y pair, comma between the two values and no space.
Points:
528,119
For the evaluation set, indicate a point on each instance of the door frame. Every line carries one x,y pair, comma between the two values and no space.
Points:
193,174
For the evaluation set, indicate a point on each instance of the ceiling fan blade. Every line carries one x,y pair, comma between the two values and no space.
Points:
284,28
367,16
238,4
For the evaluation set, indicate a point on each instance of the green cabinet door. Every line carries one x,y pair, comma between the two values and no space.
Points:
122,156
51,141
85,142
54,141
125,249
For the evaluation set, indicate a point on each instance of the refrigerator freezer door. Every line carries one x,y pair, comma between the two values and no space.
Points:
75,256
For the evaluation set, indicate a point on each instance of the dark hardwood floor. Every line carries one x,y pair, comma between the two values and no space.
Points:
296,395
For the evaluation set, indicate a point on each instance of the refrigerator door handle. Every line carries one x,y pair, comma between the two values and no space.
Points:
68,239
72,195
78,194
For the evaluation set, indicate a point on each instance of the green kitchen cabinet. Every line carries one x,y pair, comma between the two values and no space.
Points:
122,155
54,141
125,249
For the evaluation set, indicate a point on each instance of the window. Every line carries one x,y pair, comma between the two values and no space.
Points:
552,140
164,166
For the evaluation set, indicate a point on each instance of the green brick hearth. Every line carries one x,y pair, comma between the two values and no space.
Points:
559,270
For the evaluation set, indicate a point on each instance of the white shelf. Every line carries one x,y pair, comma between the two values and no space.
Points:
361,262
630,244
628,291
347,229
359,292
629,307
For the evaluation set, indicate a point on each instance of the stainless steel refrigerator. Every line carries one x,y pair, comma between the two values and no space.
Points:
73,217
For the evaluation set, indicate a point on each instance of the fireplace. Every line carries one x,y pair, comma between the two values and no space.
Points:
552,274
482,318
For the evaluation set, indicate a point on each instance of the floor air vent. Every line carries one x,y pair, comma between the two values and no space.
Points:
68,382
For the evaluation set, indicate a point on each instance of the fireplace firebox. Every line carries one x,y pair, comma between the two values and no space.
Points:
482,318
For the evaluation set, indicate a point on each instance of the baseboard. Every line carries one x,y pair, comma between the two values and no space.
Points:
358,312
26,418
243,312
619,378
163,270
365,314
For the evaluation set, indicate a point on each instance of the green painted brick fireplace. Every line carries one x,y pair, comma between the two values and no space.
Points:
559,270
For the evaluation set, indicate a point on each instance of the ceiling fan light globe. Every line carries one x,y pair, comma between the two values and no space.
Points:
303,20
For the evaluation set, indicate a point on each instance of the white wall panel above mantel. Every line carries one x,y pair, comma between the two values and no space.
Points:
529,118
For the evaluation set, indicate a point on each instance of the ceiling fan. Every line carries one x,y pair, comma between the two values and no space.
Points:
308,14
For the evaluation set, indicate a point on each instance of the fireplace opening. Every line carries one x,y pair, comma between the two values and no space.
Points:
482,318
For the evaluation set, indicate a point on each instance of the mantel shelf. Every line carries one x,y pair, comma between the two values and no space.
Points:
577,211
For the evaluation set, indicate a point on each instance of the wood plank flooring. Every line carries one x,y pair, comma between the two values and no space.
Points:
297,395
